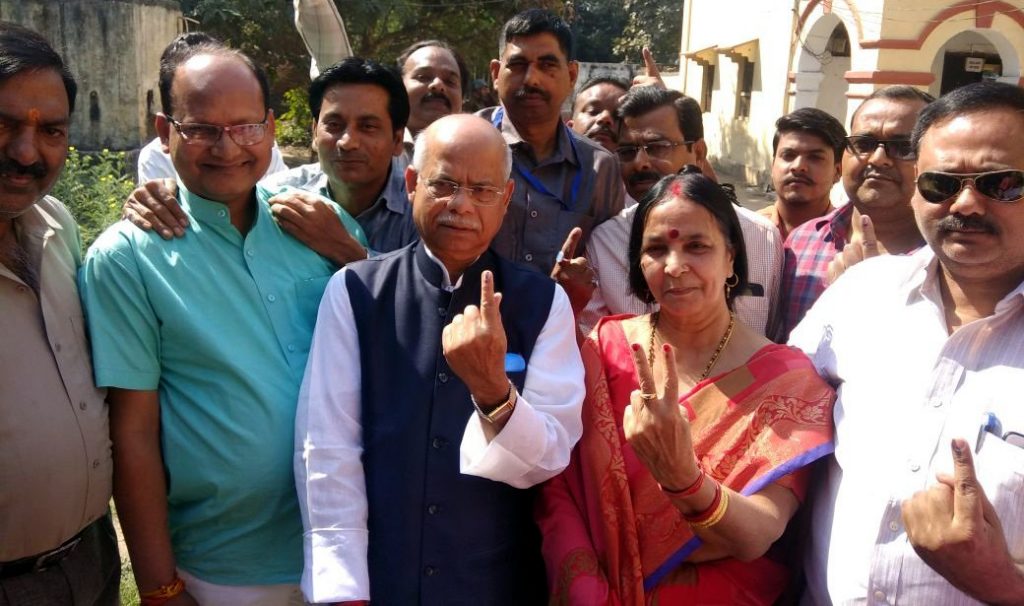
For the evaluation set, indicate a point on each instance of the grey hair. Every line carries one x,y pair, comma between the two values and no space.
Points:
419,155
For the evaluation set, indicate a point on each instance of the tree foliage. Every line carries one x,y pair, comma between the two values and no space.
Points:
382,28
605,30
656,24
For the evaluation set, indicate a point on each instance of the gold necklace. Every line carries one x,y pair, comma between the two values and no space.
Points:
714,356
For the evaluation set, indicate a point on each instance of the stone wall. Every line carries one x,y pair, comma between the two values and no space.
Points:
113,48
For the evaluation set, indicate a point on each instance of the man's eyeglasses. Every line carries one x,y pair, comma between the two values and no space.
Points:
865,145
1000,185
655,149
481,195
195,133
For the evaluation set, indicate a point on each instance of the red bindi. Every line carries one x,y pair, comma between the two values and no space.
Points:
673,234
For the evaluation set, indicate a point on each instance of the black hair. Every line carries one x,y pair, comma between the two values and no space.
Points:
591,83
169,66
537,21
691,184
641,100
22,49
415,46
356,70
811,120
972,98
183,42
896,92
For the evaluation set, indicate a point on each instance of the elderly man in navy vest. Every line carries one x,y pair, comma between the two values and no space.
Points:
443,382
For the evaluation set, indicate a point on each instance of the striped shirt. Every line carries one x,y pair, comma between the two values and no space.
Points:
906,388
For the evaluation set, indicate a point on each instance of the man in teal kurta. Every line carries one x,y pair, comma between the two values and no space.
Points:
203,341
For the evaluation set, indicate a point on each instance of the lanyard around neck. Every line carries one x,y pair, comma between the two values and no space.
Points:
534,182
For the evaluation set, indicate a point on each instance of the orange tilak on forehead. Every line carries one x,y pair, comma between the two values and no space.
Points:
33,116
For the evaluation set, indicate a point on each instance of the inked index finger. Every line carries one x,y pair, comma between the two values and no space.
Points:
870,242
488,304
967,492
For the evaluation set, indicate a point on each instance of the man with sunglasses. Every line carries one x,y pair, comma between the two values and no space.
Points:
202,341
922,504
878,177
661,133
443,382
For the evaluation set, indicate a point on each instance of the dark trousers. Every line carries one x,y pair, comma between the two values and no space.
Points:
89,576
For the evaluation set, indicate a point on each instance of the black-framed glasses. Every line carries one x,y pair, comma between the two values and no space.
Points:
655,149
1000,185
865,145
195,133
481,195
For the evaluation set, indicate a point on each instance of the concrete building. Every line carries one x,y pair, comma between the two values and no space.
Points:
750,61
113,48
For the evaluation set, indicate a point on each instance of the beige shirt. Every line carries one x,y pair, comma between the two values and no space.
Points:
55,459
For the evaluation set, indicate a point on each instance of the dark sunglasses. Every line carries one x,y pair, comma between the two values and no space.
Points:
865,145
1001,185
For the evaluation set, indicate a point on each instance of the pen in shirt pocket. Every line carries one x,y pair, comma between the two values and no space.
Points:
990,424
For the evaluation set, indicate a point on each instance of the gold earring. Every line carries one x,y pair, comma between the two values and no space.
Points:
728,287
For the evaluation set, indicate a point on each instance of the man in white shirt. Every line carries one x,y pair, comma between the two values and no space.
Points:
661,133
922,502
432,401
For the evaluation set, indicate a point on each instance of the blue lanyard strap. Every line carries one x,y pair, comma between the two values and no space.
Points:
534,183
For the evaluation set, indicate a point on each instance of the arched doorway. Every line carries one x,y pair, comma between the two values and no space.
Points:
972,56
823,58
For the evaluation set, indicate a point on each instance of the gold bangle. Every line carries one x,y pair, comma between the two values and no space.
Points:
717,516
164,592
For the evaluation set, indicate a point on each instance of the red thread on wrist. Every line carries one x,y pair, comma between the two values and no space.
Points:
689,491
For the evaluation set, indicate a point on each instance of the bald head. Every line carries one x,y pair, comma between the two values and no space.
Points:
459,188
463,131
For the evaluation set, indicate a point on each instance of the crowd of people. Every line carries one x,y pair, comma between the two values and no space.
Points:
506,358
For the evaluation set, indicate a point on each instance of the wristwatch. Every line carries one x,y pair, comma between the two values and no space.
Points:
500,411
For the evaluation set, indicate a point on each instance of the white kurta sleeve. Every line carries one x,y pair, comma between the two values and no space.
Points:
328,464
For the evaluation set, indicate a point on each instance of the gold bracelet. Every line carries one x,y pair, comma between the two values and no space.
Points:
715,517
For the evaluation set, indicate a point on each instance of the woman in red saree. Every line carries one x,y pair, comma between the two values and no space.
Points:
692,462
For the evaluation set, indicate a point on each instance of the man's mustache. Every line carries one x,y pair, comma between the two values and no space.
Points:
435,97
12,167
530,90
643,176
955,222
602,129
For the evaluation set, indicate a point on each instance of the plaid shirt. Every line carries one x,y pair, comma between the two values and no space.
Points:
808,250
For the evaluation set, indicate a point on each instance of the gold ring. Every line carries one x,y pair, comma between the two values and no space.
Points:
647,397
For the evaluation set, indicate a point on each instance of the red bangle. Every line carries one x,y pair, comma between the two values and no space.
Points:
705,515
690,490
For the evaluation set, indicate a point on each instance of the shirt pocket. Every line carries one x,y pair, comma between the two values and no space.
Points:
1000,470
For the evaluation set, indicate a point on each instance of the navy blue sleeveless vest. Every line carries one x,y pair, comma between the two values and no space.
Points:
437,536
